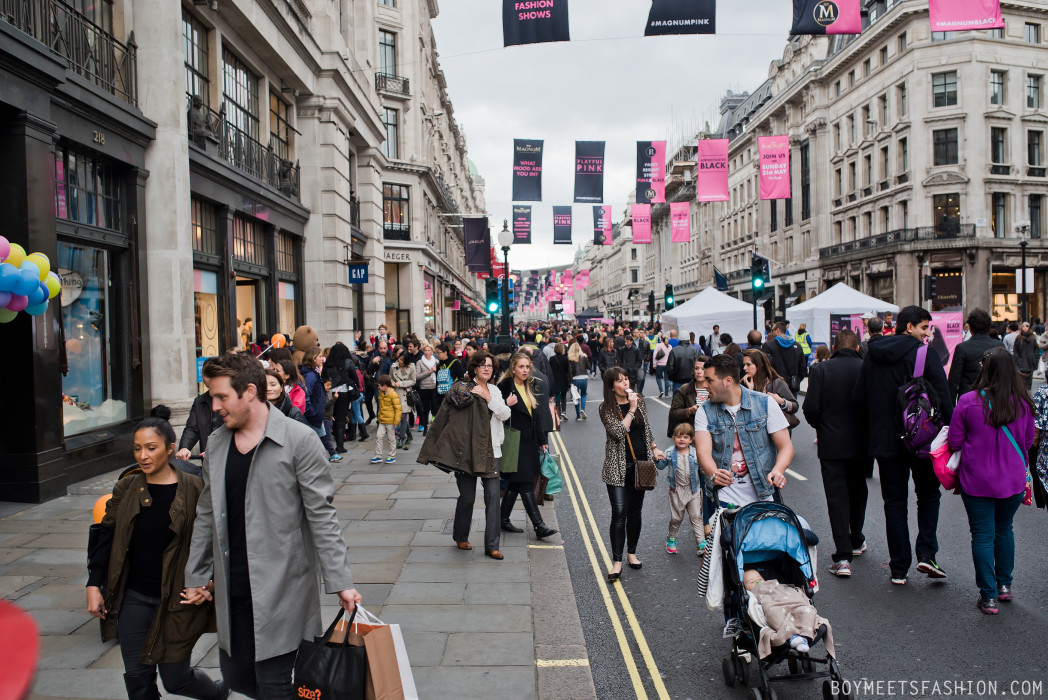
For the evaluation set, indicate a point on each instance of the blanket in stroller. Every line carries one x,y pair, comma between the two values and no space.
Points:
782,611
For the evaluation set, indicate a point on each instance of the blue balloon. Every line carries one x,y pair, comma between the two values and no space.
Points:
9,277
36,310
5,299
28,281
38,295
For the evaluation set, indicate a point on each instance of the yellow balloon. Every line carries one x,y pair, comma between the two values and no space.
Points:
42,262
54,287
16,256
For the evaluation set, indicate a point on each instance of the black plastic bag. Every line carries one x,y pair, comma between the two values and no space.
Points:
331,671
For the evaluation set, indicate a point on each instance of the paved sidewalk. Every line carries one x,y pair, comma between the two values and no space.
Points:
474,627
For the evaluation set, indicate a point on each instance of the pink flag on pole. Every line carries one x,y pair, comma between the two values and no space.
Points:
775,166
569,306
606,220
567,276
641,214
711,183
583,279
961,15
680,224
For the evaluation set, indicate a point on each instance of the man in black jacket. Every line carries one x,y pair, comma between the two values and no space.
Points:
680,365
889,365
631,359
967,356
786,356
201,421
840,425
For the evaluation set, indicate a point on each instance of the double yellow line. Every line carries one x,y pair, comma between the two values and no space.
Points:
588,524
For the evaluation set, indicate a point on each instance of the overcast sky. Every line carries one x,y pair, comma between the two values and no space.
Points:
609,83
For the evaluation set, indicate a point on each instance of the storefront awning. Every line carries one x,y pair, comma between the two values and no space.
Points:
474,304
792,298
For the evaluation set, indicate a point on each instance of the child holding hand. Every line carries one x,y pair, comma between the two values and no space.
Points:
686,487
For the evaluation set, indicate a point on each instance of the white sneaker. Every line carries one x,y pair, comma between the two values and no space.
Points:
859,551
840,568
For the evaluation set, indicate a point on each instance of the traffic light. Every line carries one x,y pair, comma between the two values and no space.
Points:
929,287
491,295
651,301
512,294
760,274
669,297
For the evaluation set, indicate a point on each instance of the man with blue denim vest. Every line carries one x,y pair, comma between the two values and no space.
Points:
741,437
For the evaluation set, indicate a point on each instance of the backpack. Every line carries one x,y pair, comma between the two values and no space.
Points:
919,408
444,378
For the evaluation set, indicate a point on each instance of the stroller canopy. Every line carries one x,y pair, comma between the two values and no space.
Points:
764,531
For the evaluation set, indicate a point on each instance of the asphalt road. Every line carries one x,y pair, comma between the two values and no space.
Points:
924,631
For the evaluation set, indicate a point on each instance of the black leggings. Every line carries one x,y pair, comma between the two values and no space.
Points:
341,409
428,398
626,505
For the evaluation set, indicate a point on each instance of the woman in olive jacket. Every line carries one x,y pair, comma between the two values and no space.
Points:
136,572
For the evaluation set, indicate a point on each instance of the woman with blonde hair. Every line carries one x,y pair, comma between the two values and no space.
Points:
579,365
517,387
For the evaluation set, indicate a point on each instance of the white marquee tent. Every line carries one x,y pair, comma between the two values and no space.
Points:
698,315
838,299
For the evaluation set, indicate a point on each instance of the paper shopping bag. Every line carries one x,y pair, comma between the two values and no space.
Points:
389,671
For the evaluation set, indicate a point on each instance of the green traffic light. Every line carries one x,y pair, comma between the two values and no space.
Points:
669,300
758,282
493,307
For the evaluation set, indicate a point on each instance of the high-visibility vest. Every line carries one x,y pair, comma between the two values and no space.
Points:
653,341
804,341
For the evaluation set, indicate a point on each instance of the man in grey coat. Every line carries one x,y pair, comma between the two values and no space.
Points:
264,523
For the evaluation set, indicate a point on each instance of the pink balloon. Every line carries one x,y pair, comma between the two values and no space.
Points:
5,248
18,302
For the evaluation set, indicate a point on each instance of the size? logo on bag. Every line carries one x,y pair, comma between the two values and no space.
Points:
309,694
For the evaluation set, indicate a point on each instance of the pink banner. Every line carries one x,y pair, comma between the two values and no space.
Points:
680,224
566,277
775,166
606,220
849,18
961,15
711,183
582,279
569,306
641,214
946,332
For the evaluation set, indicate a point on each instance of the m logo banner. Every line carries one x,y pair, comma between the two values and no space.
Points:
774,154
589,171
682,17
602,225
827,17
534,21
711,183
961,15
562,225
680,223
641,215
651,172
527,170
522,223
477,236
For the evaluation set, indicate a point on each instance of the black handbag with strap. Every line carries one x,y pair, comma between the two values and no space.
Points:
644,470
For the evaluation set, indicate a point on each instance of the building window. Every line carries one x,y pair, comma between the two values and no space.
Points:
205,315
885,164
387,52
904,214
788,212
998,141
240,91
851,130
867,68
633,253
396,212
774,215
838,182
88,190
390,146
805,181
946,210
867,223
205,228
279,127
885,219
867,170
1033,92
869,125
943,36
837,89
884,110
904,155
945,146
286,253
944,89
838,233
999,207
884,55
92,391
851,177
997,33
903,99
633,276
1033,33
851,78
249,244
996,87
1036,215
837,137
902,42
194,40
1035,148
387,3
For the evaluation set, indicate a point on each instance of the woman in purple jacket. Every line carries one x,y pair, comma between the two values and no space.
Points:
992,428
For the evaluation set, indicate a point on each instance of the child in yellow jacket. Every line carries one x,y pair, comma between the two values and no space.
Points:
388,419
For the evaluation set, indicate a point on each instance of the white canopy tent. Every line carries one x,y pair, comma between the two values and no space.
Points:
838,299
699,314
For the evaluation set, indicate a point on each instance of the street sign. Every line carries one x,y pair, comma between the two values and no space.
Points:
358,273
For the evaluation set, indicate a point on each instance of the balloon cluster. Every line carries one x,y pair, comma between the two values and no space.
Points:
26,281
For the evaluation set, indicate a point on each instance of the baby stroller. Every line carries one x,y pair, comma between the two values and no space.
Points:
767,536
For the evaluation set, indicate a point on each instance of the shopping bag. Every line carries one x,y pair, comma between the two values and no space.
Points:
389,670
325,669
551,470
944,462
510,451
576,395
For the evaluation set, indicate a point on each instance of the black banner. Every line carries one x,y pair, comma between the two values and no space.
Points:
534,21
598,225
527,170
477,236
651,172
562,225
826,17
522,223
589,171
682,17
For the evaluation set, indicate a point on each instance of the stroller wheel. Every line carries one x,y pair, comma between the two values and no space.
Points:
827,690
767,694
729,672
756,694
742,671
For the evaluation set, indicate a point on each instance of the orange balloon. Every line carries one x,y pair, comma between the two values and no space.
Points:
100,507
278,340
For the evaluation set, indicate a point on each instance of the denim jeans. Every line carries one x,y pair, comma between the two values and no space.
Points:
583,386
660,379
993,543
356,412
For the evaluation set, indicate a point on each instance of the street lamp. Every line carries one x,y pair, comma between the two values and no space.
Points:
505,240
1023,229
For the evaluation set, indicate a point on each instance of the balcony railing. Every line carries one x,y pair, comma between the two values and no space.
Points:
92,53
392,83
948,230
211,129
